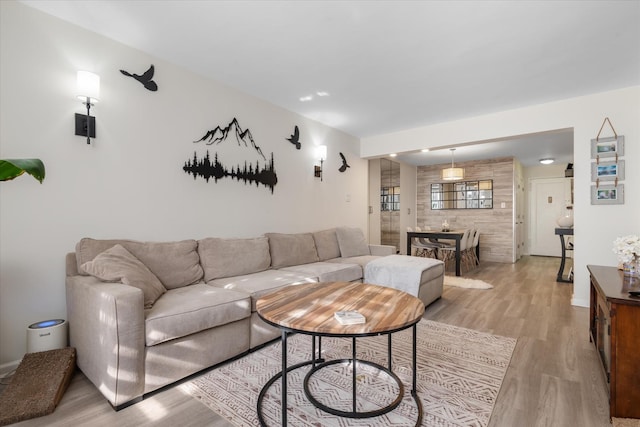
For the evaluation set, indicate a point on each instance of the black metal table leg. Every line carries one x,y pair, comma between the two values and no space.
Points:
458,258
414,390
284,378
389,351
561,232
318,363
354,361
354,375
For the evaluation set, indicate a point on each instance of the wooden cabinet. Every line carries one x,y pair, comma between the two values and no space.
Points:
614,320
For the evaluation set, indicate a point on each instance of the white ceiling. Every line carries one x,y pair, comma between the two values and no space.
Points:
388,65
529,149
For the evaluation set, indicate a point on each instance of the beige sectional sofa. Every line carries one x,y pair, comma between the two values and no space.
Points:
146,314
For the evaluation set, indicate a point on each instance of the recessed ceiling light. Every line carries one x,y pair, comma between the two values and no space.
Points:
392,155
425,150
546,161
322,93
306,98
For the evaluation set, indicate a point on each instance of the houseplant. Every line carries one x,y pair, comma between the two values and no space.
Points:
13,168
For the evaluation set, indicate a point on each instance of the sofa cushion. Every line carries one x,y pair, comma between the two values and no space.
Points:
262,283
176,264
326,244
233,257
291,249
116,264
360,260
352,242
190,309
329,271
406,273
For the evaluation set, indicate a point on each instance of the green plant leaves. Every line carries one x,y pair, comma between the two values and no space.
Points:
13,168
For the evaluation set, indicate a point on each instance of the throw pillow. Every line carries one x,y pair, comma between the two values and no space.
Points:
352,242
233,257
291,249
175,264
327,244
118,265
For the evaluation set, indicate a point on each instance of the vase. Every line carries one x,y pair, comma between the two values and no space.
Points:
566,220
631,269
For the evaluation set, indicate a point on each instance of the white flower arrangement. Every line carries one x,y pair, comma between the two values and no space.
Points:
627,248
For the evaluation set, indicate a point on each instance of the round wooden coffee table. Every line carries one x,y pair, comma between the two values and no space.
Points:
309,309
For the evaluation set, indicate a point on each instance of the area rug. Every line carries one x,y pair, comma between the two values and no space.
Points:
461,282
459,375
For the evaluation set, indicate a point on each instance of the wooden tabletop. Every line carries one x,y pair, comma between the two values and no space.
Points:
613,285
450,233
310,308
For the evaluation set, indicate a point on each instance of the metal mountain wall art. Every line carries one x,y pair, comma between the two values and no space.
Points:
237,157
146,79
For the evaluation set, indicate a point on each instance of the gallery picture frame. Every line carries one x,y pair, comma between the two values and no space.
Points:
607,171
607,147
607,194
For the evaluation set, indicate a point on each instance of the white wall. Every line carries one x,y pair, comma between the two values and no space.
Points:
129,183
595,226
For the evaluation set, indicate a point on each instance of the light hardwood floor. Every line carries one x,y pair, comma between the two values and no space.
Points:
554,378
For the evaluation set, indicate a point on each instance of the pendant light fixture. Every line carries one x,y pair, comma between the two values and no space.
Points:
453,173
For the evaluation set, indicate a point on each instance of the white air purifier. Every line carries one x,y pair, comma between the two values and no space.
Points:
47,335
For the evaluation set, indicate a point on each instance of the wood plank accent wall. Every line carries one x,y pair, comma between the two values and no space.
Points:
496,225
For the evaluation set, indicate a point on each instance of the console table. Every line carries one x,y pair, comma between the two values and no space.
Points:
564,232
614,326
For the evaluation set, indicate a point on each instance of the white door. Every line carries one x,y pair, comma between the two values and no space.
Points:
548,200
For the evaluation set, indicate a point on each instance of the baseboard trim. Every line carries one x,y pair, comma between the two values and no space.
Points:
580,302
7,368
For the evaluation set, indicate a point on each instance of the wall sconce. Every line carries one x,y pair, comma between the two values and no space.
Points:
88,91
453,173
321,154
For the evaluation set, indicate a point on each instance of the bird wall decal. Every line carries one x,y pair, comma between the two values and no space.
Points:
344,164
146,79
295,138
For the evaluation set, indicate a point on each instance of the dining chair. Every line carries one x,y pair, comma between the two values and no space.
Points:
449,252
436,242
474,246
469,254
425,249
432,243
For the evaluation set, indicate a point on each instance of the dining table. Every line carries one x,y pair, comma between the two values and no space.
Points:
445,235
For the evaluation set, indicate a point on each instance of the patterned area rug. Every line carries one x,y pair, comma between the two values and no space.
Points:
459,376
461,282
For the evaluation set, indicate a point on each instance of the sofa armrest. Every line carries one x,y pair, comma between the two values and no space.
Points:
106,326
382,250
